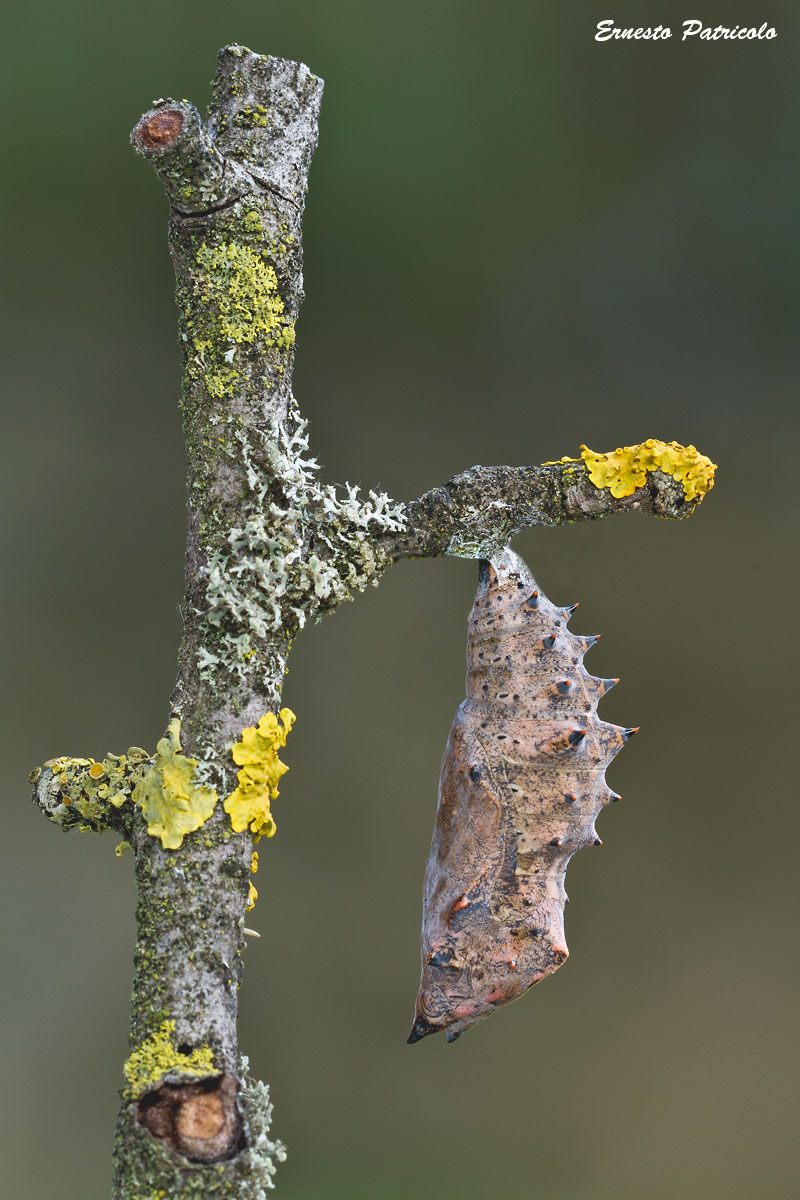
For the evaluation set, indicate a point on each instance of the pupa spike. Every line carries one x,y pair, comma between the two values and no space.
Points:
576,736
628,733
570,608
608,684
420,1029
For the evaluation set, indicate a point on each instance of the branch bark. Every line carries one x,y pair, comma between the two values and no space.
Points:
268,547
236,186
479,511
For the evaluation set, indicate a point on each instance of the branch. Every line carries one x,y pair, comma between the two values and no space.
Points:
191,1122
479,511
236,188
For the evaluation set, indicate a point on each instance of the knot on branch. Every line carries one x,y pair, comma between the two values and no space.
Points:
192,1121
200,1119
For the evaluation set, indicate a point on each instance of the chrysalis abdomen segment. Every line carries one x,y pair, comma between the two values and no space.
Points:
522,781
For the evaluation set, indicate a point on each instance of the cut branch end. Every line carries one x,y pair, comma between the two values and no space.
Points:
199,1119
158,130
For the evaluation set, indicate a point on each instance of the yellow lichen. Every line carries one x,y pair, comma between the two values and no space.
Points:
240,287
59,764
169,800
252,895
88,787
625,469
252,116
256,753
157,1057
251,221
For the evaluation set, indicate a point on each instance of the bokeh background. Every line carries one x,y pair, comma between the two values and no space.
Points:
517,240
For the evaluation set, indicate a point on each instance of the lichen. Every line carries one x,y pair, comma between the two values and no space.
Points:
238,288
94,796
261,1149
156,1057
171,802
288,561
256,753
625,469
252,895
296,548
257,115
87,792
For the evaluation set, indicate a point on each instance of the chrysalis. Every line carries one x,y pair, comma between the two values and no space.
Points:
522,782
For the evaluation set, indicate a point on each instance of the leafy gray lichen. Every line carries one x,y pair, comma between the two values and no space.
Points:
287,562
262,1152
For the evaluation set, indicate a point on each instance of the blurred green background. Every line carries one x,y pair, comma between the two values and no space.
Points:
517,240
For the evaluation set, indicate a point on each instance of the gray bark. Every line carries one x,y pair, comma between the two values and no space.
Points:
268,547
479,511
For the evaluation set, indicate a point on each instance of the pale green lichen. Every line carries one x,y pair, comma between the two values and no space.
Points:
270,578
171,802
146,1066
256,753
261,1149
625,469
